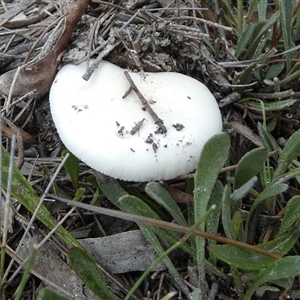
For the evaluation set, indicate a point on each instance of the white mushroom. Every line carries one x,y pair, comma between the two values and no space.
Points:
117,137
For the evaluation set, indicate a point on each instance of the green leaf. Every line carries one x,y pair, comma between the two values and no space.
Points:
162,197
48,294
279,271
226,212
134,205
267,139
266,175
111,189
87,270
262,30
286,12
249,166
267,193
212,222
78,194
72,168
244,39
249,260
291,215
252,8
262,10
237,221
213,157
196,294
26,195
275,70
273,106
243,190
289,152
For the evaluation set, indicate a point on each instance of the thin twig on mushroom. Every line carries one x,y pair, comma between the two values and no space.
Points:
159,122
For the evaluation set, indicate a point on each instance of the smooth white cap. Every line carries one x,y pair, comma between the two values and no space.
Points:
94,121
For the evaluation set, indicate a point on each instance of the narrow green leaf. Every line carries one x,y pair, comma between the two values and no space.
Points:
286,12
244,39
226,212
249,166
26,195
240,258
213,157
267,139
266,175
134,205
87,270
291,215
212,222
267,193
275,70
240,15
273,106
282,269
196,294
48,294
289,152
252,8
249,260
72,168
262,10
263,28
237,221
162,197
243,190
78,194
111,189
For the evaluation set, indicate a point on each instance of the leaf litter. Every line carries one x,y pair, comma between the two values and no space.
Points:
37,37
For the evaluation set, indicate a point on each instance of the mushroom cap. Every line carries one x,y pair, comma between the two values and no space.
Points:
94,121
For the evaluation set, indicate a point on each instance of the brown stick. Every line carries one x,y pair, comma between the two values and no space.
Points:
159,122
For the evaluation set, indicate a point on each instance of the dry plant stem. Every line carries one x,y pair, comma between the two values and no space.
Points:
10,95
159,122
31,20
36,212
40,74
20,99
209,23
13,129
87,75
7,206
166,225
159,289
36,43
133,54
279,95
114,5
15,10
